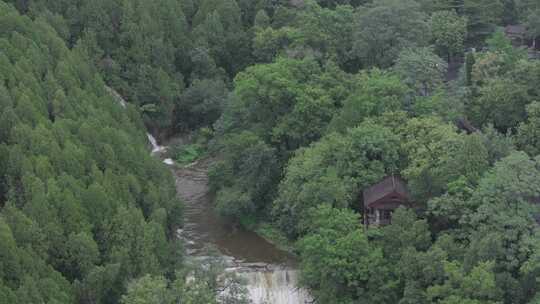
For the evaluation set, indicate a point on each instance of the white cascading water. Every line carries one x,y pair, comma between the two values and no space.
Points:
155,147
276,286
116,96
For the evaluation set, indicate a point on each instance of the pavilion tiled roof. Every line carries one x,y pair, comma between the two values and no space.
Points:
390,185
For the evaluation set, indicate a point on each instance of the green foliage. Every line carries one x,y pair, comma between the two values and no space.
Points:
286,103
398,24
150,51
205,284
527,136
334,3
497,218
76,177
312,32
147,290
81,254
262,20
245,177
187,154
339,262
234,203
478,286
482,17
533,24
275,236
201,104
421,69
405,232
469,63
334,171
502,45
439,155
372,94
501,85
501,102
449,32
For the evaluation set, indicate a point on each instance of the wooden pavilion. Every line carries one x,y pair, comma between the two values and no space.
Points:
516,34
519,38
381,199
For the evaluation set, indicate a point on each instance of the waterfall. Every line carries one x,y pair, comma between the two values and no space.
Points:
277,286
155,147
116,96
266,283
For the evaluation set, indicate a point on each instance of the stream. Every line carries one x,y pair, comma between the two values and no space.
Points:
270,273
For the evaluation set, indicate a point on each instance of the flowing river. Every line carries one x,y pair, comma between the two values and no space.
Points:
269,272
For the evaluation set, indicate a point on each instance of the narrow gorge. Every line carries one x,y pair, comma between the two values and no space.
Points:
270,273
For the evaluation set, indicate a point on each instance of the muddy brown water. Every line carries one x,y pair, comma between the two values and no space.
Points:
202,226
270,273
271,278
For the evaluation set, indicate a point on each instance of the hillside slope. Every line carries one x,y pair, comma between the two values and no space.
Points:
84,206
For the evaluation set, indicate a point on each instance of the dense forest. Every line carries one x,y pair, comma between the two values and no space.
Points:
303,104
85,208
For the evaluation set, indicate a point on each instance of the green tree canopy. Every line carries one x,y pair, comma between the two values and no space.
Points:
334,171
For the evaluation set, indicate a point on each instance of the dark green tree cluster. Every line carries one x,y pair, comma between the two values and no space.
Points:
348,94
205,285
176,59
154,52
275,109
502,84
172,58
84,207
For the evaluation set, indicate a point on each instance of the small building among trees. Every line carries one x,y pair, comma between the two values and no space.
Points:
521,37
381,199
517,34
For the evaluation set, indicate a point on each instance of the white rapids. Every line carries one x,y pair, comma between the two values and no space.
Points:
156,148
278,286
116,96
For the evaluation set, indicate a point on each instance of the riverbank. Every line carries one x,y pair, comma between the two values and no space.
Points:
203,226
270,272
187,151
274,236
262,256
264,230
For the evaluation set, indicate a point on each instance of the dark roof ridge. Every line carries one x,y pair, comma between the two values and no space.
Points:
390,184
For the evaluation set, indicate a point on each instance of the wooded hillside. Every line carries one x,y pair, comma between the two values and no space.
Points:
303,104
